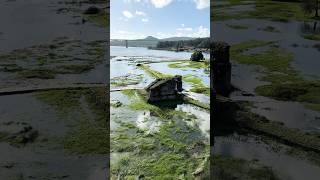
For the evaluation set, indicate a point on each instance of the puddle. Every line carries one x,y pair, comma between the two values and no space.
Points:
250,148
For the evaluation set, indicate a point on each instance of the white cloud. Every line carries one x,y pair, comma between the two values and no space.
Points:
160,3
127,14
202,32
182,25
201,4
122,34
144,19
140,13
184,29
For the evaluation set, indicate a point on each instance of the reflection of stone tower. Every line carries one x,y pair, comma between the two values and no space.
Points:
126,43
221,68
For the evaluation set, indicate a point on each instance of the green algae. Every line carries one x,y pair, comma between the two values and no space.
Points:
169,152
190,64
197,84
234,168
154,73
238,26
269,29
315,37
88,133
101,19
130,79
267,9
176,150
285,82
37,73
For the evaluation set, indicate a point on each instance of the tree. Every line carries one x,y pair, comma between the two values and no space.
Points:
310,6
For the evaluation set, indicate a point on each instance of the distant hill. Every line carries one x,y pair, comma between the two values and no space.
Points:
177,39
149,41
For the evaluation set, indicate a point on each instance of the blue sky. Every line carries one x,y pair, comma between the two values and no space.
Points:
134,19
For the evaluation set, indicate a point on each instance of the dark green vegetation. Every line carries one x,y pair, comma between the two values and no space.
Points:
62,56
197,56
260,9
237,26
232,168
202,43
269,29
88,133
285,83
149,41
315,37
175,150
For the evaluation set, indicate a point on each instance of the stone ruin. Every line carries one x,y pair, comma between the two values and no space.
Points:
221,66
164,89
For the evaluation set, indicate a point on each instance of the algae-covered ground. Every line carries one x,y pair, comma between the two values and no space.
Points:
274,58
169,140
54,96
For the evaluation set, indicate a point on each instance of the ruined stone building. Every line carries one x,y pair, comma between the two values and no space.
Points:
164,89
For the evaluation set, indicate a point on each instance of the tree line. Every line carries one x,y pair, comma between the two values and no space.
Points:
194,43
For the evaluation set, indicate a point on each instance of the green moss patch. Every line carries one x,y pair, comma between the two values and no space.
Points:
190,64
273,10
88,133
285,83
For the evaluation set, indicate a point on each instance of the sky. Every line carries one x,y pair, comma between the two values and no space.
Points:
136,19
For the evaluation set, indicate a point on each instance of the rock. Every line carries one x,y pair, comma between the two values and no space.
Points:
138,65
115,103
92,10
165,89
197,56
